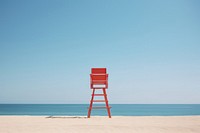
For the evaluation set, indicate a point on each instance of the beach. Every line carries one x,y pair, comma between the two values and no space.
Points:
99,124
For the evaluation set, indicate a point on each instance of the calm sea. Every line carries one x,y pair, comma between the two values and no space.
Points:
116,110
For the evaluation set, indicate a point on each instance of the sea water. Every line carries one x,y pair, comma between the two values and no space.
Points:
116,110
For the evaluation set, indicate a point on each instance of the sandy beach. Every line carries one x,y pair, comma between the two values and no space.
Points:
100,124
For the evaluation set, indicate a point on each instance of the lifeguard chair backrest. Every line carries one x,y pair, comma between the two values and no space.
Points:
98,70
99,77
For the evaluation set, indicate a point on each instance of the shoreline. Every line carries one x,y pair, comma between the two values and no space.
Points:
104,115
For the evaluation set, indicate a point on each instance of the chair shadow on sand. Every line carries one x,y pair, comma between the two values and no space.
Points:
67,117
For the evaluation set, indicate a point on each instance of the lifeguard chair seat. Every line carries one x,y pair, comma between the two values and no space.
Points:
98,78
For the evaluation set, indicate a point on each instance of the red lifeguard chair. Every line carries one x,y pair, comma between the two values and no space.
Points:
99,80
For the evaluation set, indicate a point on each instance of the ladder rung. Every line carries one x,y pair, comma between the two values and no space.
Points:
98,94
101,107
100,101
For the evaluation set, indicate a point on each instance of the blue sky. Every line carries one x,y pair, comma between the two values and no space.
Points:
150,48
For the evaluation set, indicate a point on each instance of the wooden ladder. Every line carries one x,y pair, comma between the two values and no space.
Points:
99,107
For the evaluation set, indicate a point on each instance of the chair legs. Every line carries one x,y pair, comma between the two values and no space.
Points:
91,103
99,107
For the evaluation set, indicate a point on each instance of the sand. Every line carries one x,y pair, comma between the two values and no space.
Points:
100,124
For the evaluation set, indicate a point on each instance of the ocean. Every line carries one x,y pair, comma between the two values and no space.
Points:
116,110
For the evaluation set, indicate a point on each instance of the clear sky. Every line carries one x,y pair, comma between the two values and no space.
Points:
151,49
